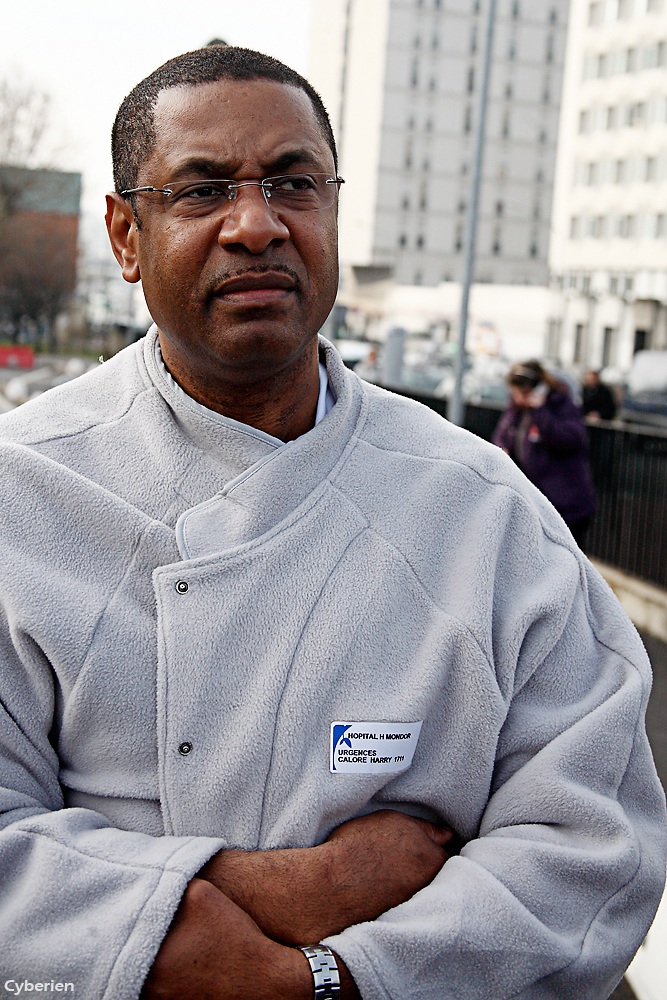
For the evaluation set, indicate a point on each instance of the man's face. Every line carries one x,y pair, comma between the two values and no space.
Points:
243,290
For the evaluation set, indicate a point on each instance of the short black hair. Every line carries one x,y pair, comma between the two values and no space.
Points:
133,134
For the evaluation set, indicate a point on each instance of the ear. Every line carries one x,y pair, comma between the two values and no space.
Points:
124,235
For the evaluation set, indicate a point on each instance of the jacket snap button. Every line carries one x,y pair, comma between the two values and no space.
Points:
182,587
185,749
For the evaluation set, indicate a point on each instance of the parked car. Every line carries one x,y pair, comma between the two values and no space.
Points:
646,392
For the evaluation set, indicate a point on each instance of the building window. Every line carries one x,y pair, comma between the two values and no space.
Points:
423,197
458,239
625,9
406,203
467,119
470,84
574,227
419,277
619,172
432,84
553,15
473,39
414,77
426,165
435,41
539,176
429,124
660,227
595,13
584,121
654,6
650,169
461,207
598,227
515,10
613,285
612,117
549,53
508,91
500,207
402,240
546,96
536,211
591,173
578,342
630,60
607,344
533,250
496,248
420,242
505,129
542,137
511,52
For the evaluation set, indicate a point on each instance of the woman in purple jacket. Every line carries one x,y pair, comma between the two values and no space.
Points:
542,430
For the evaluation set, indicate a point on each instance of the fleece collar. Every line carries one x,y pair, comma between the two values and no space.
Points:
274,478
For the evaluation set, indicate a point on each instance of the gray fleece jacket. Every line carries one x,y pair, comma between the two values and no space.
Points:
171,577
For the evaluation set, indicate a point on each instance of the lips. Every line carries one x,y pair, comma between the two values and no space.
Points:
256,287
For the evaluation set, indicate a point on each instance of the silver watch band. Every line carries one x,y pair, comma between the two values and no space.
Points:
325,972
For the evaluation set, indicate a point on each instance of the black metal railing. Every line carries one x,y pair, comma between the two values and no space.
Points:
629,465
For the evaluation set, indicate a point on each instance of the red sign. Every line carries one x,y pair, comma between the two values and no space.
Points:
14,356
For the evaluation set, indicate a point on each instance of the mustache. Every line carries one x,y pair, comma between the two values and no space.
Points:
255,268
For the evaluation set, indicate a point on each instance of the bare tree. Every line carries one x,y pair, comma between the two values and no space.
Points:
24,124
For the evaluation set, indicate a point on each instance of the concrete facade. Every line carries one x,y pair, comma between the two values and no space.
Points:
400,79
608,249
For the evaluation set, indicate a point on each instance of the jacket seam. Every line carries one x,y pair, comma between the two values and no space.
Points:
83,430
142,866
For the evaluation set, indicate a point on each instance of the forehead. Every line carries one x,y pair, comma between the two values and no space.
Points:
237,124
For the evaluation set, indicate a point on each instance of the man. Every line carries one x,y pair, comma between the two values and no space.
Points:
269,632
597,398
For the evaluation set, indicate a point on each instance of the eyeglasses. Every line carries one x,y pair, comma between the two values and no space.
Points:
289,192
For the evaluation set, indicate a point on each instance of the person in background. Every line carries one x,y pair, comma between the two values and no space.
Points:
598,401
543,432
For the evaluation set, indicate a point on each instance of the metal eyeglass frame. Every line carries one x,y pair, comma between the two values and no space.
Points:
234,186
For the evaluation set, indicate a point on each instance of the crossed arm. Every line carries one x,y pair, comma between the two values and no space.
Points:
236,933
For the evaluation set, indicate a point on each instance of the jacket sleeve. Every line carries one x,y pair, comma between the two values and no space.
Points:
557,891
80,901
561,427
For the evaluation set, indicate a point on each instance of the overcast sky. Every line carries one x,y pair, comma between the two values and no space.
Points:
87,54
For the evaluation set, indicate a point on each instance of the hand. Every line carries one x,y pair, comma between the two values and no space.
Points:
537,397
215,951
367,866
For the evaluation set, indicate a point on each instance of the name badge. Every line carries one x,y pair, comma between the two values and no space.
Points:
372,747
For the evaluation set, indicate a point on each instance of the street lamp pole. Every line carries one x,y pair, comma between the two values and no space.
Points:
455,411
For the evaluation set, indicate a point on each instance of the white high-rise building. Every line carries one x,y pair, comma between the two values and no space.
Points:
609,253
400,79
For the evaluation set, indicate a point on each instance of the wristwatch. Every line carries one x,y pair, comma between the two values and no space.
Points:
325,972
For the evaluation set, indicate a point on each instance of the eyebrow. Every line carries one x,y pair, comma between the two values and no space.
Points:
204,167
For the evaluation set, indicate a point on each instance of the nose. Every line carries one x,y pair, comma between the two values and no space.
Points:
249,222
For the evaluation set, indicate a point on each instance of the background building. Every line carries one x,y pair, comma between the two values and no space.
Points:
400,79
39,222
609,252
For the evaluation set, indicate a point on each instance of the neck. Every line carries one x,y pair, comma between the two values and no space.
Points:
281,403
